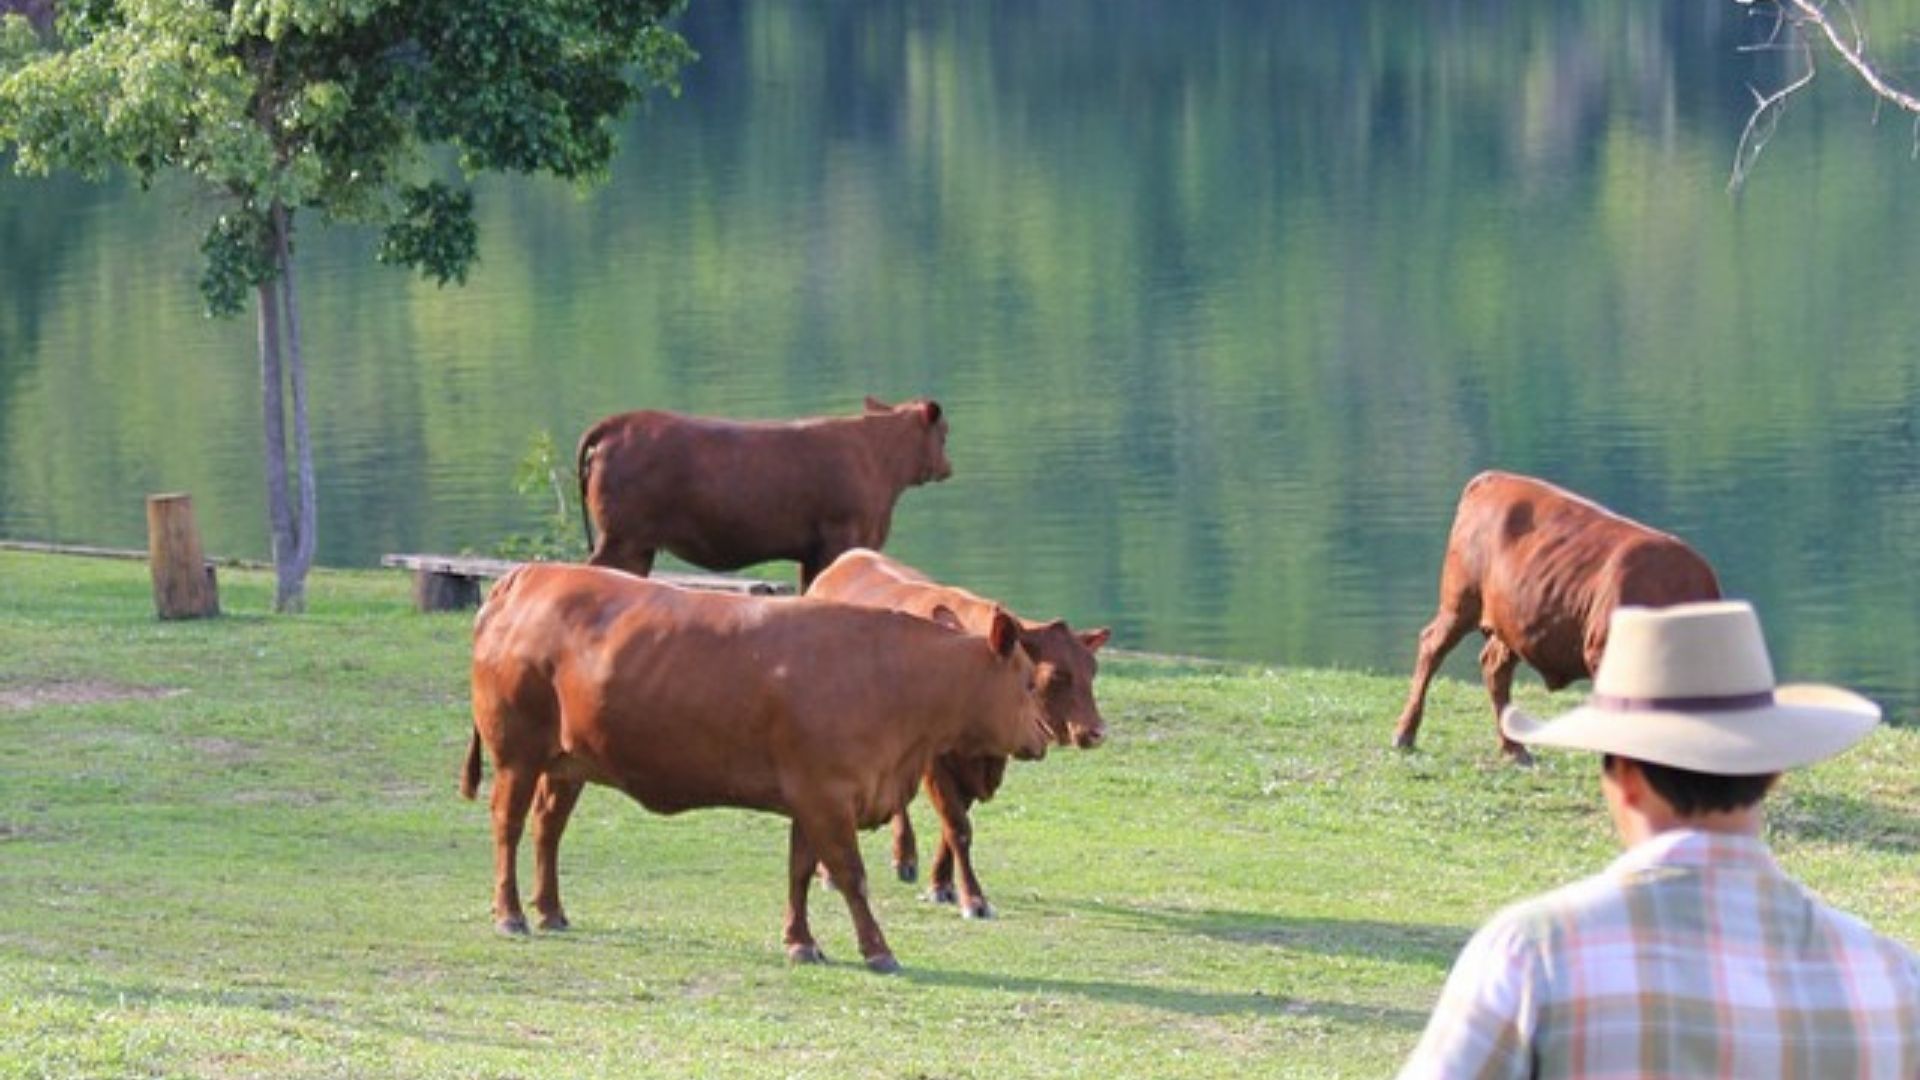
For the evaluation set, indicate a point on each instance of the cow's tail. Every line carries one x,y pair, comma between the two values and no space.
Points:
582,467
470,775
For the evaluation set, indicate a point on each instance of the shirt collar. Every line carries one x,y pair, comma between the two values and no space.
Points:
1695,849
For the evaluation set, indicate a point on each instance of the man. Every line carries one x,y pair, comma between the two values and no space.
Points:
1693,955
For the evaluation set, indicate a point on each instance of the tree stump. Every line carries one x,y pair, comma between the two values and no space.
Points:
435,590
183,582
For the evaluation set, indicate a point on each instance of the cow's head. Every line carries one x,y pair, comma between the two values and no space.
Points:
1064,667
928,422
1019,727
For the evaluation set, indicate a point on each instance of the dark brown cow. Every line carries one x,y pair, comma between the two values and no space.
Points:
825,713
1064,669
724,494
1539,571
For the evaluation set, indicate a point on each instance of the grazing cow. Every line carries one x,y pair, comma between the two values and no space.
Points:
724,494
1539,570
825,713
1064,669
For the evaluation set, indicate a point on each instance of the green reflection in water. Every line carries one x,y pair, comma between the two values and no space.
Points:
1226,301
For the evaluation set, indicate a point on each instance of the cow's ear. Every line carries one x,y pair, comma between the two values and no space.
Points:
943,615
931,410
875,406
1005,635
1093,639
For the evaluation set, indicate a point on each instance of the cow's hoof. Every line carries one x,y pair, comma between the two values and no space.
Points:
883,964
511,926
908,872
1519,756
1403,742
805,954
942,894
976,909
555,922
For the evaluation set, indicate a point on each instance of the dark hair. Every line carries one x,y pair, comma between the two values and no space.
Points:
1690,792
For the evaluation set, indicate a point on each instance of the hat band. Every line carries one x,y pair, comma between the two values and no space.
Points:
1713,703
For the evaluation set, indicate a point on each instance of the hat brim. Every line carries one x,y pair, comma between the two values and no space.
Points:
1806,723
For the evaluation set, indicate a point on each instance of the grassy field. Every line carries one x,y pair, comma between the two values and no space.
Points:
234,848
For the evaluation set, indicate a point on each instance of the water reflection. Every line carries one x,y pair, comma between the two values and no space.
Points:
1226,301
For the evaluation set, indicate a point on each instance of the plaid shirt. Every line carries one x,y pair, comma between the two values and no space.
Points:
1693,955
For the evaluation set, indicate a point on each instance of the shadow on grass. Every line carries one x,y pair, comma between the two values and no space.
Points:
1428,946
1405,943
1845,819
1189,1002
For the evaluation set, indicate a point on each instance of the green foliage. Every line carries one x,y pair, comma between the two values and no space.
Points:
233,848
237,261
548,480
17,40
434,231
333,106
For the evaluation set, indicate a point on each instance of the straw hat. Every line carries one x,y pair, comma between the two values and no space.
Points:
1691,686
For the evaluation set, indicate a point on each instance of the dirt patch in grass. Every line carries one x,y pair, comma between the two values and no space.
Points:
16,696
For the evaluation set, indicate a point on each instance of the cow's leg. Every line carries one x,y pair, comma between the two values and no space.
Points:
906,855
815,562
810,568
906,860
801,861
831,837
940,880
906,848
1497,662
622,555
552,804
834,541
512,795
954,862
1449,625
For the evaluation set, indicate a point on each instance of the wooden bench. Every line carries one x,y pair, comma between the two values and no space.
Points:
452,582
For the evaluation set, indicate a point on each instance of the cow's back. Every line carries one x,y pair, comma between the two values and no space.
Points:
870,579
719,493
1550,566
1659,570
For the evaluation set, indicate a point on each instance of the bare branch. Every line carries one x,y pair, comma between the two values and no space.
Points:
1853,50
1798,20
1764,119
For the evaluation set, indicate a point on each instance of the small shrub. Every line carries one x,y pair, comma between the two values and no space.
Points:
548,480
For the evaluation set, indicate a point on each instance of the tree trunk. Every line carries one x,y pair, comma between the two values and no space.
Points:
306,531
287,590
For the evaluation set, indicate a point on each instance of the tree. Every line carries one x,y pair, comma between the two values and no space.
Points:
351,109
1797,27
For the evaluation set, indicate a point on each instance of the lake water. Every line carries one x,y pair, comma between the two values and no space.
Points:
1225,300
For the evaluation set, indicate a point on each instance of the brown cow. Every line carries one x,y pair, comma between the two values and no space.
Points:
1539,570
825,713
724,494
1064,670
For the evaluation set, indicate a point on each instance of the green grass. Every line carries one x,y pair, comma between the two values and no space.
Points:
266,871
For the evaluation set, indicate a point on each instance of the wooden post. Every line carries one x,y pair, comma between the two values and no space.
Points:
183,583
